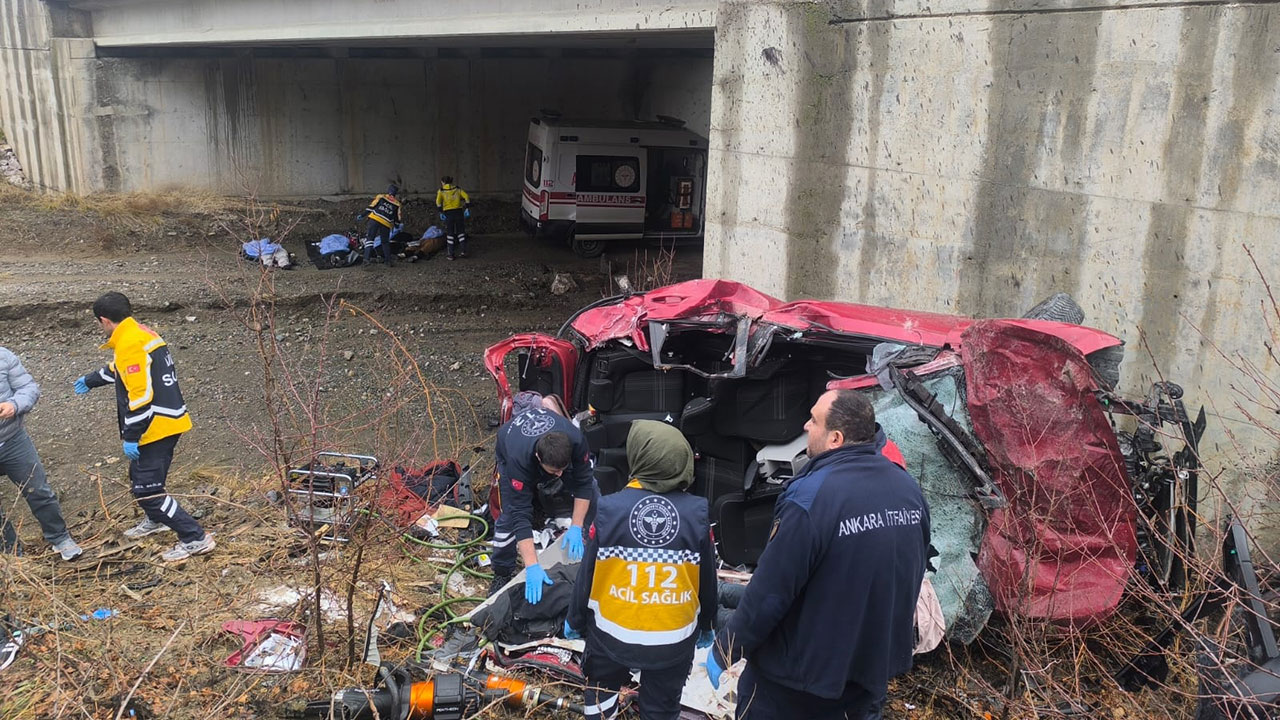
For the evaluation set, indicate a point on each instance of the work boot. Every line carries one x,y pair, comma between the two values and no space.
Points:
462,248
498,581
182,550
68,549
144,528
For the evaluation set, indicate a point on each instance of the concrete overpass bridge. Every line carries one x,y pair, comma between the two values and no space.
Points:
965,156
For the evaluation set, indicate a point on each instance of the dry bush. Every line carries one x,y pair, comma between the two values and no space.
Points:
652,268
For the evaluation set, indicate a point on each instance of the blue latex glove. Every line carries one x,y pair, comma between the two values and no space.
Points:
466,213
714,671
81,386
705,638
570,633
534,578
131,450
442,217
572,543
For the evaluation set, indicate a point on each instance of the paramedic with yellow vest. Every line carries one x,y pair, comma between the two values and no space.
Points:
646,590
455,208
152,416
384,213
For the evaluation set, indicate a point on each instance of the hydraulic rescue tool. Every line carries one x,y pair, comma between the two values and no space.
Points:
444,696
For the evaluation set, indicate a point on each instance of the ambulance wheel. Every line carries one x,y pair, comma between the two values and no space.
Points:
587,248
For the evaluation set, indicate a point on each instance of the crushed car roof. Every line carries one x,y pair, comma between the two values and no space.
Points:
709,299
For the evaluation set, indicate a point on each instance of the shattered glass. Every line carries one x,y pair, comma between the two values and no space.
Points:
958,521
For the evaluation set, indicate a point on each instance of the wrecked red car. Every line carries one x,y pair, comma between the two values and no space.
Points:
1041,507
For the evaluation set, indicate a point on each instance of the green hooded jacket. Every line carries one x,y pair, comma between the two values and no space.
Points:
660,457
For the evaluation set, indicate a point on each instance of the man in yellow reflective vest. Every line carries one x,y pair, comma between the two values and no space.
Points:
152,416
383,213
455,208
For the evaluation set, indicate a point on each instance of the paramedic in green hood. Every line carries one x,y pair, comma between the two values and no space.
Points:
646,590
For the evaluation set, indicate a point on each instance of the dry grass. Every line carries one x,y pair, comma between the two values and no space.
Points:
132,206
85,668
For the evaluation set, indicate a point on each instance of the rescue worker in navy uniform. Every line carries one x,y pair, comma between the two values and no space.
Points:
542,460
152,416
455,207
828,616
383,213
646,590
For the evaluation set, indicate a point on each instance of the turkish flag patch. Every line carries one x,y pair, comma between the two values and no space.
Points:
133,369
517,485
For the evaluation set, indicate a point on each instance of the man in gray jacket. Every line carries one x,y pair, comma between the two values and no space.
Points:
18,460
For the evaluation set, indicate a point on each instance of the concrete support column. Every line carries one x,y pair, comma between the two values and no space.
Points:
753,140
960,159
46,91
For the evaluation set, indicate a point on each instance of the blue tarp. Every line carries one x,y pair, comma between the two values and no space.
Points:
334,243
258,248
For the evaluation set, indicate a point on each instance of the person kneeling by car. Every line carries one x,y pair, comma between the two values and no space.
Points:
542,463
646,590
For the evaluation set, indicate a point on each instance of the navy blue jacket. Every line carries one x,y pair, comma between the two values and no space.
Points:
833,599
520,474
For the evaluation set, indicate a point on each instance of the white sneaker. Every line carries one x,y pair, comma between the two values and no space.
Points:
9,650
182,550
144,528
68,549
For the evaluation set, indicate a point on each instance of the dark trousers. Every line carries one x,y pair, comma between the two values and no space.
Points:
147,475
373,230
505,557
659,689
18,460
760,698
455,230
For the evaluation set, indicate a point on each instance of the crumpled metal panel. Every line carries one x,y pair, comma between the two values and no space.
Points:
704,299
692,300
1064,547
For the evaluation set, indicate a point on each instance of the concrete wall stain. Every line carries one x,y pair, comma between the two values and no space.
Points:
872,242
1257,56
822,138
1028,239
1164,265
351,146
105,97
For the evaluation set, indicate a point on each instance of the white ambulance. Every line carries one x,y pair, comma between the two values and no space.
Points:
588,181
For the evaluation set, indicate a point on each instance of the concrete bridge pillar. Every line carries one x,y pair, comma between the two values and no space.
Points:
48,109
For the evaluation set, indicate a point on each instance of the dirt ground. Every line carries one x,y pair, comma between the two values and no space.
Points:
182,273
396,371
413,330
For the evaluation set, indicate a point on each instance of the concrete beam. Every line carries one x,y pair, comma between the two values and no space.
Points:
219,22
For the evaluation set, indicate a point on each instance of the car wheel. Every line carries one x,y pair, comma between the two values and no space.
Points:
587,248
